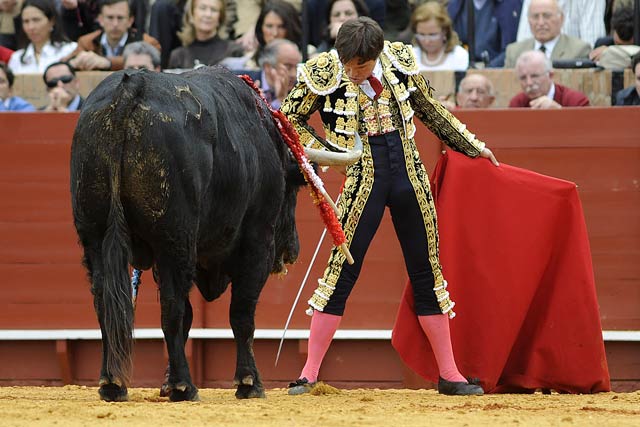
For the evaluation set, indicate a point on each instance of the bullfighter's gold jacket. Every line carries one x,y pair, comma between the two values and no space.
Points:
345,109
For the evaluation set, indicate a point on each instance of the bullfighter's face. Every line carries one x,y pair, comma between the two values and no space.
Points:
358,70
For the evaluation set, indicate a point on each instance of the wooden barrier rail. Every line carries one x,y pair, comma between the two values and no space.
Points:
45,288
598,85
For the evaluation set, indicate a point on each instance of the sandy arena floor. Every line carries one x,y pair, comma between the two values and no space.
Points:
80,406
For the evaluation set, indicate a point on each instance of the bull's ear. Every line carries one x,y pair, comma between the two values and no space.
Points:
294,174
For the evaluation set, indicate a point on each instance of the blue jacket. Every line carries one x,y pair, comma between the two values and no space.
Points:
16,104
506,12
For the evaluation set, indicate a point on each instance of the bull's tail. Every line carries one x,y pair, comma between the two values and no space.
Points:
116,247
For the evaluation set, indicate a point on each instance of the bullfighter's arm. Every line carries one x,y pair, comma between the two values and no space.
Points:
298,106
440,121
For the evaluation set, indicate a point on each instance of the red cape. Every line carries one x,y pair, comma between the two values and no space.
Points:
514,248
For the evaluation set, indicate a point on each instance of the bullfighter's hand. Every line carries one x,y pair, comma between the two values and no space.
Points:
488,154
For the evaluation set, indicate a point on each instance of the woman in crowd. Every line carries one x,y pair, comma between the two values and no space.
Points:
277,20
201,43
435,44
340,11
41,37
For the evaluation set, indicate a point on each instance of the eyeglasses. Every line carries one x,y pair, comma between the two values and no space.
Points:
427,37
54,82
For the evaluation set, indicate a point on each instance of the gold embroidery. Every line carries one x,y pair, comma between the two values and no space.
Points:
354,197
322,73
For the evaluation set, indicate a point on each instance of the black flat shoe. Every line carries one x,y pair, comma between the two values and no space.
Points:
459,388
301,386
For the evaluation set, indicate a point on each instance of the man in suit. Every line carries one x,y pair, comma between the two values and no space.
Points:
496,25
102,49
546,20
62,87
538,89
631,95
278,61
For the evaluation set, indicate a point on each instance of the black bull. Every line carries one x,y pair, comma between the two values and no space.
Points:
188,175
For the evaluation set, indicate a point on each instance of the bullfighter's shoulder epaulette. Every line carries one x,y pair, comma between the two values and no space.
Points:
401,56
323,73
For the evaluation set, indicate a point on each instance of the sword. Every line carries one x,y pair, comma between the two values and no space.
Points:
293,307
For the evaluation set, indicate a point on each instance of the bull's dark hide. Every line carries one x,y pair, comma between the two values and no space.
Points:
186,174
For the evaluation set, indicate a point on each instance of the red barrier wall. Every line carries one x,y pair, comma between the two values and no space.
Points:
44,286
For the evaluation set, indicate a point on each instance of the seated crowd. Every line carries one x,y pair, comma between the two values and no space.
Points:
264,39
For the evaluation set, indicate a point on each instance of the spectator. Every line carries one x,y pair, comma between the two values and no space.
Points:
166,21
62,87
201,42
339,11
279,62
102,49
141,56
476,91
320,9
496,25
546,19
539,91
583,19
277,20
9,9
41,37
435,44
79,17
164,25
622,28
8,102
631,95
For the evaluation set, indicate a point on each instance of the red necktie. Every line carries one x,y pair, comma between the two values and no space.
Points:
375,85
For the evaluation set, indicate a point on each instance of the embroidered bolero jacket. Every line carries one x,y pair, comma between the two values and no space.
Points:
344,108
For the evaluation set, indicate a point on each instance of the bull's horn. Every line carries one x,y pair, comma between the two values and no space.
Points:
331,158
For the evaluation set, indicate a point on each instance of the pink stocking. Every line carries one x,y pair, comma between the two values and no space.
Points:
323,327
436,328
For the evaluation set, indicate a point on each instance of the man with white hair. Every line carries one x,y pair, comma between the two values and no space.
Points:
545,20
583,19
538,89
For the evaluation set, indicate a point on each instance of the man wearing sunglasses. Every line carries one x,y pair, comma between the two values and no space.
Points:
62,87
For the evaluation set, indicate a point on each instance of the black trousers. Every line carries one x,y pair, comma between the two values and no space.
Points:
392,188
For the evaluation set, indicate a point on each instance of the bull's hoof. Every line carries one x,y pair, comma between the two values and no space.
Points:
181,392
165,390
250,392
110,392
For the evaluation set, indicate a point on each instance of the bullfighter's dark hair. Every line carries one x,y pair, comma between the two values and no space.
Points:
360,38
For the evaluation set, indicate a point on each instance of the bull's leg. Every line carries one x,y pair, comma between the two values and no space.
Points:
174,292
165,390
245,290
112,389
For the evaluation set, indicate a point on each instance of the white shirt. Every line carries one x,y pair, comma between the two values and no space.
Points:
366,86
548,46
48,56
108,50
456,60
583,19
